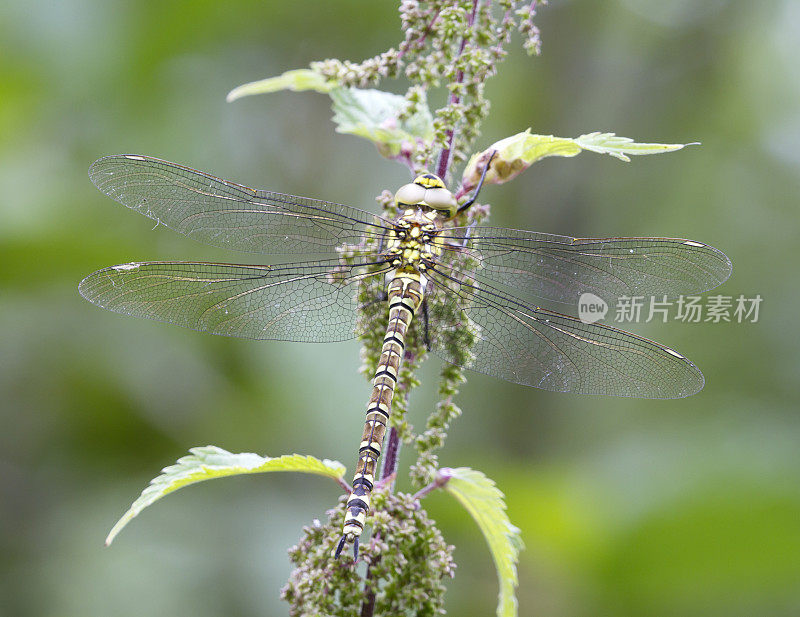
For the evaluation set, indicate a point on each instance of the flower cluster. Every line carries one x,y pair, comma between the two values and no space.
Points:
408,561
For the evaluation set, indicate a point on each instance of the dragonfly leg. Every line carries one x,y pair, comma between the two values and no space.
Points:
381,297
468,234
472,199
383,241
463,242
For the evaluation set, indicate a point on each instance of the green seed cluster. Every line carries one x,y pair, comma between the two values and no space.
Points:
407,562
532,43
423,471
456,340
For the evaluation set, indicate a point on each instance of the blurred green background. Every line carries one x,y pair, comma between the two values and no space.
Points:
628,508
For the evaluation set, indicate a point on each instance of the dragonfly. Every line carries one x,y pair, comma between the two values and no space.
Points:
489,278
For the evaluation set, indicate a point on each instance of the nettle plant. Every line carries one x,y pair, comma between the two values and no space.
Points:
455,45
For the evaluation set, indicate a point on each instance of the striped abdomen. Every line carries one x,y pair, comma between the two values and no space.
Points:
405,297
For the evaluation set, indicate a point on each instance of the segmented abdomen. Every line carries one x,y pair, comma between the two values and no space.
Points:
405,297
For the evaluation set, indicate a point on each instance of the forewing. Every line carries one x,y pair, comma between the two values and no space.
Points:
311,302
229,215
535,347
560,268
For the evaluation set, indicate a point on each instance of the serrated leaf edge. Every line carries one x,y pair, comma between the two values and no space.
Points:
505,557
199,465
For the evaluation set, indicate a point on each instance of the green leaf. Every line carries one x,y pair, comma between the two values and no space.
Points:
297,81
372,114
485,503
516,153
619,147
210,462
375,115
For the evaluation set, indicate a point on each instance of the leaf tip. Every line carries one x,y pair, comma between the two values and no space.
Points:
110,537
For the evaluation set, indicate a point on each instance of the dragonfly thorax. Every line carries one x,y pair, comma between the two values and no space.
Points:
410,244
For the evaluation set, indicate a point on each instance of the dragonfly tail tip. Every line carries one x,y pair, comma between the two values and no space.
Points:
339,547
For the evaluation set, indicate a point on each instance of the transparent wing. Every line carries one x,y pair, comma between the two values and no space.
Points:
229,215
312,302
560,268
535,347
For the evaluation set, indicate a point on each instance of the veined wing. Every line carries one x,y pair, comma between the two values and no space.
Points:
311,302
229,215
560,268
536,347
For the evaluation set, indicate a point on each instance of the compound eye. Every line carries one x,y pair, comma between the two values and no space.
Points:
440,199
409,194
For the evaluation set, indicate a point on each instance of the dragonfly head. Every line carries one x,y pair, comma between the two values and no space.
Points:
428,191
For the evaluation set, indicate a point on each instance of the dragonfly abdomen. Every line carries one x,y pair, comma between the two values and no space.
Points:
405,296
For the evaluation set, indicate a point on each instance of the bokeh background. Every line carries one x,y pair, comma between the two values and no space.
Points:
628,508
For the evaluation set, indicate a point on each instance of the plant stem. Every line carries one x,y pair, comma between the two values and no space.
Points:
344,485
421,40
392,450
439,482
454,99
368,607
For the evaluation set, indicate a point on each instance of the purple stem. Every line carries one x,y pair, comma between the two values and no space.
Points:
441,479
368,607
392,450
419,42
444,158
